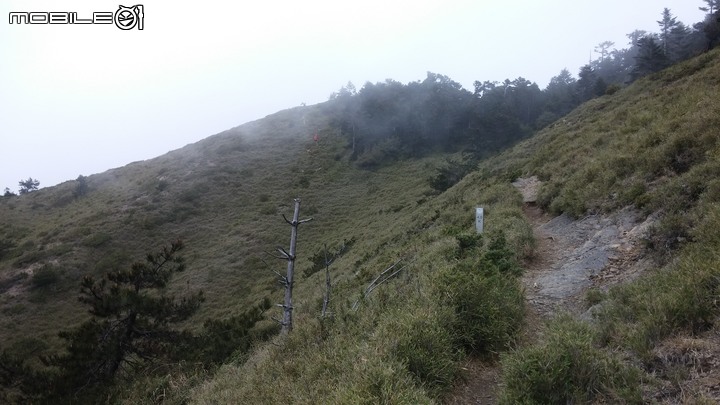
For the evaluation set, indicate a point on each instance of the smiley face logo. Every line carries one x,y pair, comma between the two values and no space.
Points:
126,18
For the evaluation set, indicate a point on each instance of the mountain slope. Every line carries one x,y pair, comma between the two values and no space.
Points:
223,196
653,145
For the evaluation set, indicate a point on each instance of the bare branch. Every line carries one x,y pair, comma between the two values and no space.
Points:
378,281
280,276
281,257
384,280
275,256
284,253
380,275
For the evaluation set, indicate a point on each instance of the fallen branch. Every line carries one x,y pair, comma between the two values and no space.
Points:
369,287
384,280
381,278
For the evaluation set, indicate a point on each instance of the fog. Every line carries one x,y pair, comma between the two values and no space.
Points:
83,98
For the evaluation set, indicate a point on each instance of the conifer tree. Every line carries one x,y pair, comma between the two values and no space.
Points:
667,24
712,6
29,185
650,57
130,325
586,83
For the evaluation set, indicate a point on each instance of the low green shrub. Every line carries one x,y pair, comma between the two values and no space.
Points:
499,257
566,367
45,276
378,381
612,89
635,193
96,240
569,201
682,296
421,342
382,153
669,234
6,246
468,242
594,296
487,306
548,192
450,174
236,335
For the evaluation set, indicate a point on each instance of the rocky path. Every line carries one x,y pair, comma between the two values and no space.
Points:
571,257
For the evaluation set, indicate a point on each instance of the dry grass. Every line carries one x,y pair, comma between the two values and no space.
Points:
223,196
653,145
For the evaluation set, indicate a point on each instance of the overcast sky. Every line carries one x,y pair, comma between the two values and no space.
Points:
82,99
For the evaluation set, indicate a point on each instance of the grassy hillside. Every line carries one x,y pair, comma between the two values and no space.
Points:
653,145
223,196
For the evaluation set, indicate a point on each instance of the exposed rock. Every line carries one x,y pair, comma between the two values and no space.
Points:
596,251
528,187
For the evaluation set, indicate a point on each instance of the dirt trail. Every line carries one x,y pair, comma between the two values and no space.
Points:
571,256
575,255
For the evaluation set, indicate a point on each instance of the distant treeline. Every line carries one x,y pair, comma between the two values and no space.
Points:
389,120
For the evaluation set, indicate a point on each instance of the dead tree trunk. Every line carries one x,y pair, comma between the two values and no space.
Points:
287,306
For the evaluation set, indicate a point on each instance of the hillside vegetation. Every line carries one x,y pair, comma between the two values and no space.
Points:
652,145
223,197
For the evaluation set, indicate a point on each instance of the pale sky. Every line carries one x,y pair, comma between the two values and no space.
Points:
82,99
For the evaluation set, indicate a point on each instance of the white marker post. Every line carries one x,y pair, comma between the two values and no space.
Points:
479,219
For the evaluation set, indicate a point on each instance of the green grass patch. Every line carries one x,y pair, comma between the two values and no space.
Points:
488,308
653,145
568,367
45,276
682,296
